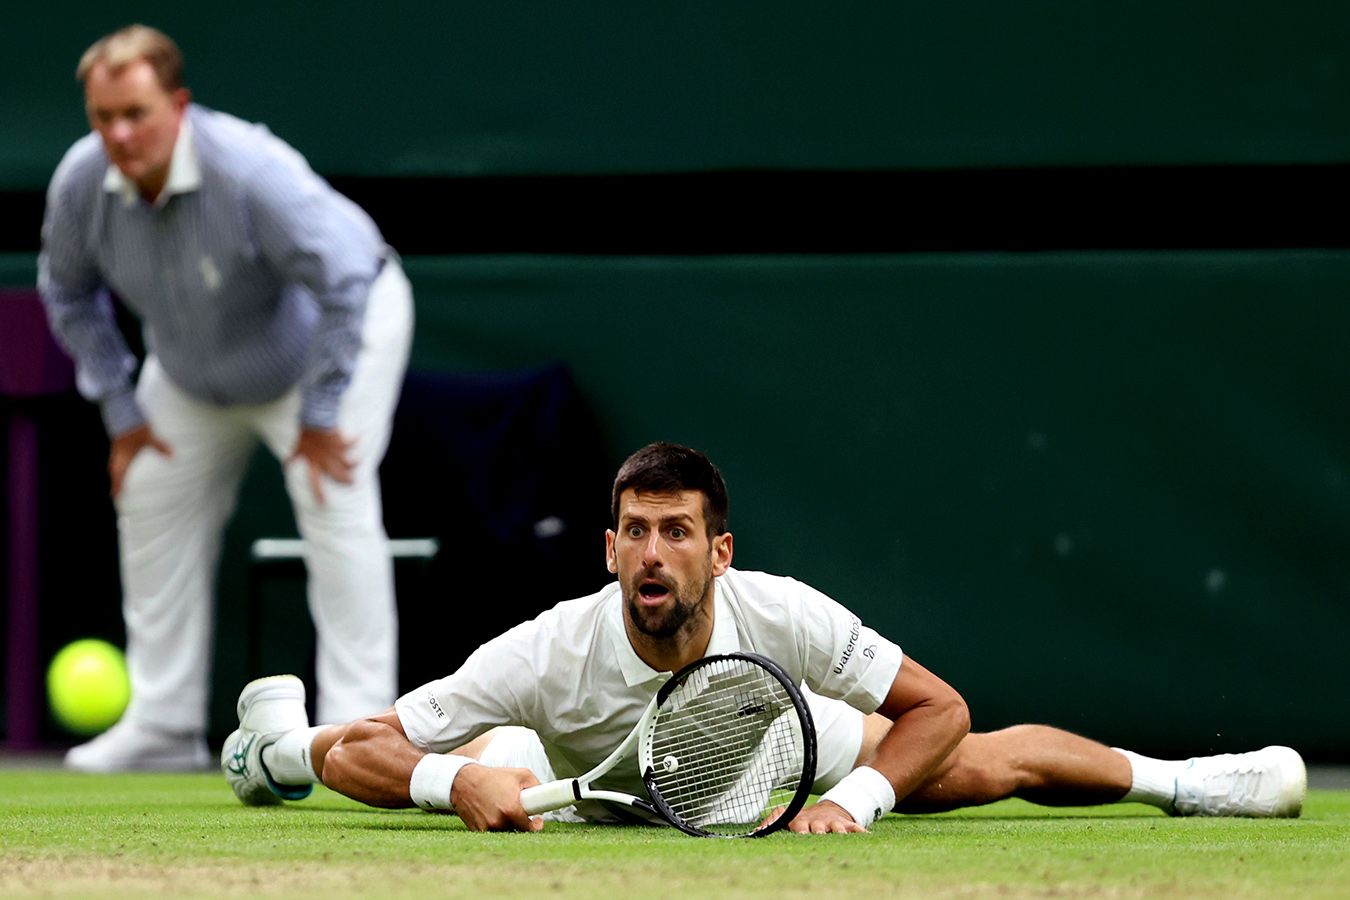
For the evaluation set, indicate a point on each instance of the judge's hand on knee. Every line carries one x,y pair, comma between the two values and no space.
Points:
324,451
124,449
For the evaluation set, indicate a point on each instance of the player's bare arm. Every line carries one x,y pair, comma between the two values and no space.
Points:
372,760
930,719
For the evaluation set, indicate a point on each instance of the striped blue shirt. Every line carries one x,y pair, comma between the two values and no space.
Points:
249,272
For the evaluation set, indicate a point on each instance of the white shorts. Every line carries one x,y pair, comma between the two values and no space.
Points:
839,734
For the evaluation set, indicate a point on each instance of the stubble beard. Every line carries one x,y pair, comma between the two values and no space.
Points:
666,623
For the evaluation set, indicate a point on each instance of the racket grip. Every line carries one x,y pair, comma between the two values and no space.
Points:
547,797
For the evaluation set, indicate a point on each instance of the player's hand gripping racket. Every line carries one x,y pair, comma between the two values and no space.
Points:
726,741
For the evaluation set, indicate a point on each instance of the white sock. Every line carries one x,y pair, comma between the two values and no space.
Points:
287,761
1154,780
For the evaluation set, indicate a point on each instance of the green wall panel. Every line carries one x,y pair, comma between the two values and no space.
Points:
18,270
422,88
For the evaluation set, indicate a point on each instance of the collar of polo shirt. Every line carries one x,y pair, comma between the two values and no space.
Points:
185,171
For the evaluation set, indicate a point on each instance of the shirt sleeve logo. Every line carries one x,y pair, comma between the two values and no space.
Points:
855,628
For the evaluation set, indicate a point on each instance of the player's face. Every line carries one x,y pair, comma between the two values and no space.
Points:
137,119
664,559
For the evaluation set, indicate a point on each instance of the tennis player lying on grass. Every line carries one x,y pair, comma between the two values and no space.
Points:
553,697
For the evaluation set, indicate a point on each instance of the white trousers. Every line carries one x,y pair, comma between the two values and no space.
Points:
173,509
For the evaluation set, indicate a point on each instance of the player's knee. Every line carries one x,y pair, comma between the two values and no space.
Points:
1014,751
991,765
1018,734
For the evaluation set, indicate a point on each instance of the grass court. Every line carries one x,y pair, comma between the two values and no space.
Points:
71,835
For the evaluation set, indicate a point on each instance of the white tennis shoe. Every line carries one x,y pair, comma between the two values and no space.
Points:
268,708
131,747
1269,783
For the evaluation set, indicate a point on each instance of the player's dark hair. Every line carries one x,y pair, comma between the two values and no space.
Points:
665,468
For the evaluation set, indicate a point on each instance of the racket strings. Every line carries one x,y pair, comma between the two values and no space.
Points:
727,747
734,783
731,782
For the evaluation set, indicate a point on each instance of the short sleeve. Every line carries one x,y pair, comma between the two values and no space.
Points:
845,659
490,689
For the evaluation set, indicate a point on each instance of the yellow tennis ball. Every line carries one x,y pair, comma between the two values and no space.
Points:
87,686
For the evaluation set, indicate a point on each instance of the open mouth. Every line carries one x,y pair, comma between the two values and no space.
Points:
653,591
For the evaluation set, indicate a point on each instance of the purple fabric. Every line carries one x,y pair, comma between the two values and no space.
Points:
23,701
31,363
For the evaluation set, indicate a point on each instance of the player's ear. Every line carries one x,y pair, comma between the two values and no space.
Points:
721,553
610,562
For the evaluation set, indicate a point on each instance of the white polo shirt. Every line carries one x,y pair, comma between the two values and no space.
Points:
572,676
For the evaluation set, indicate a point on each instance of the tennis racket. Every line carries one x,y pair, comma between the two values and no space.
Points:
723,744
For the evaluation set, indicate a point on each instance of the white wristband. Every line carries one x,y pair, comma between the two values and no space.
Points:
865,794
433,777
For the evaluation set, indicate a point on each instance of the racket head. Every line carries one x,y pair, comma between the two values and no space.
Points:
731,740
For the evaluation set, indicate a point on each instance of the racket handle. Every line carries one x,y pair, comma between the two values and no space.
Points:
547,797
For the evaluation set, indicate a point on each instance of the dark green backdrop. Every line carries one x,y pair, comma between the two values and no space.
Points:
521,86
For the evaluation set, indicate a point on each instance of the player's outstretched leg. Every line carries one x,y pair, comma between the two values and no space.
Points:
268,709
1267,783
1056,768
